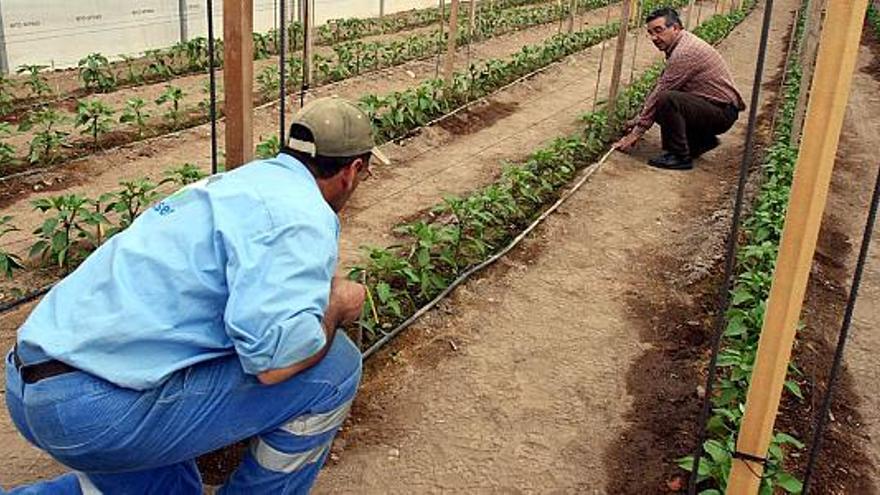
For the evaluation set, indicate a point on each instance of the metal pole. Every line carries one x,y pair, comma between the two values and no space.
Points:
212,63
4,57
282,69
181,11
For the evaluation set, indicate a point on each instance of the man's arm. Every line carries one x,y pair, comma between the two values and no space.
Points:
345,306
676,73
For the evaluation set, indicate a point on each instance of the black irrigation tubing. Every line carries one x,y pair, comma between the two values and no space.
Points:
822,417
9,306
724,295
388,336
282,72
212,70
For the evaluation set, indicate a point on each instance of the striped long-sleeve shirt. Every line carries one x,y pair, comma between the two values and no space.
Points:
692,66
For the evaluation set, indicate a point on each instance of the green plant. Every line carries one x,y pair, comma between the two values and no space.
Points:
130,75
269,81
134,113
36,81
9,262
7,152
183,175
269,148
6,98
95,72
70,233
173,95
159,66
95,118
47,141
128,202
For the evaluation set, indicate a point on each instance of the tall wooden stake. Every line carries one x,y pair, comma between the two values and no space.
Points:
472,18
449,66
381,8
618,55
238,78
691,15
572,12
834,71
813,26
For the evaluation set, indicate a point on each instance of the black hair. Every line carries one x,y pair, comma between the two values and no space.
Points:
667,13
322,167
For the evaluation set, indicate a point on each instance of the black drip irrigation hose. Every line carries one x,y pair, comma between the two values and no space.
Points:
21,301
724,296
212,69
387,336
822,417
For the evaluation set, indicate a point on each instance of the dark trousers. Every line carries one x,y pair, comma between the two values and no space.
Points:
689,124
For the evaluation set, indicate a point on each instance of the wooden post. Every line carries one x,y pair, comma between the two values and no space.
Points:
813,27
308,19
449,67
572,11
633,12
834,72
689,21
381,8
238,78
472,18
618,55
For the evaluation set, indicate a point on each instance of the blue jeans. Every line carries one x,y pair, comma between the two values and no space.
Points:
122,441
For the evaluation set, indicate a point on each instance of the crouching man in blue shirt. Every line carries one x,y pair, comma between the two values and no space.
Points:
211,320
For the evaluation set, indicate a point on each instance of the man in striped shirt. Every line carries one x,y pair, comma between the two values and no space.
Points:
694,101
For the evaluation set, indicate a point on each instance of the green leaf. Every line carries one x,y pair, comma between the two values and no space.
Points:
789,483
794,388
740,296
383,290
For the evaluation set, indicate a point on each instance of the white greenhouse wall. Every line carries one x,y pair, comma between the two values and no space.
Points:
58,33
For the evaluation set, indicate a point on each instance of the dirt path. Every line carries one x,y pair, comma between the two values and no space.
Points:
535,397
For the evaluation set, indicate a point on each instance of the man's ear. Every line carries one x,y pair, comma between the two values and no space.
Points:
350,171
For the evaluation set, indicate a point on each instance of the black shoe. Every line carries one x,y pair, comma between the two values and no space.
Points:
706,147
671,161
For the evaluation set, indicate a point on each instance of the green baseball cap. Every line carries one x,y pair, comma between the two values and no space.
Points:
339,128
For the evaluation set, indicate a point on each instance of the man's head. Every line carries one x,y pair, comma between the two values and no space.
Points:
664,27
334,139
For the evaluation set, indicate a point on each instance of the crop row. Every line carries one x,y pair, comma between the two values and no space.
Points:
756,259
98,74
52,142
463,231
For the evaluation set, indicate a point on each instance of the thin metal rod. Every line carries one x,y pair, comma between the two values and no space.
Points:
212,71
724,296
601,59
282,69
821,420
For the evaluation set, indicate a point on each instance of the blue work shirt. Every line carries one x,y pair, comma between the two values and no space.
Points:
240,262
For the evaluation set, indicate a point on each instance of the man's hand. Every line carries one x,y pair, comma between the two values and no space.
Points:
627,142
345,306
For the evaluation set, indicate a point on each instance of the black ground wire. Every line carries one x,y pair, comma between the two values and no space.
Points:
212,70
726,285
282,72
822,417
